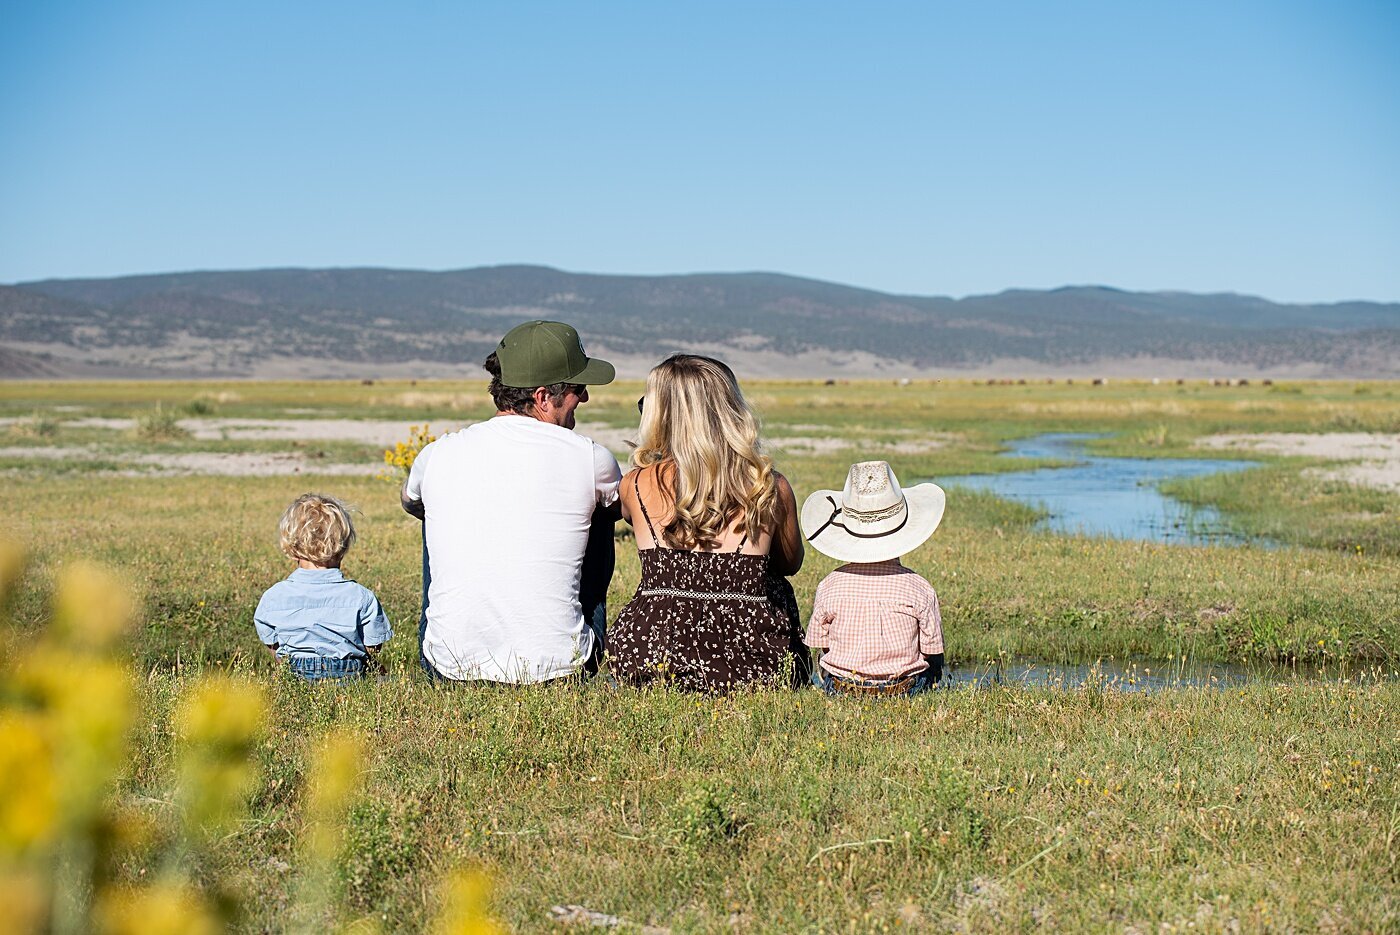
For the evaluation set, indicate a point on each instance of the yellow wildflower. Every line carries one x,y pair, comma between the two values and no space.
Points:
399,459
89,704
220,722
332,777
22,895
223,712
92,608
11,566
465,898
27,794
162,909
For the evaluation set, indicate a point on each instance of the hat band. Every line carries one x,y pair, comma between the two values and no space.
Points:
873,516
837,510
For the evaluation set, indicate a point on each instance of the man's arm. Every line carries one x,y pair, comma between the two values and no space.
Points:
610,513
411,506
411,496
607,478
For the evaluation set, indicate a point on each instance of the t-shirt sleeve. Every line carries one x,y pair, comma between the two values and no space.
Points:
262,620
931,626
607,475
414,488
819,624
374,622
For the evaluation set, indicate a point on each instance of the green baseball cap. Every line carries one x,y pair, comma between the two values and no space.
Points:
539,353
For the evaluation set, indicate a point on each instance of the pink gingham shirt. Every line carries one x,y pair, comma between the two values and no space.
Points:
877,620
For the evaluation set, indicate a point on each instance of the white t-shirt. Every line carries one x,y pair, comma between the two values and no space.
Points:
508,503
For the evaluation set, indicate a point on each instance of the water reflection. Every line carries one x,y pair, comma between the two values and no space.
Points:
1114,497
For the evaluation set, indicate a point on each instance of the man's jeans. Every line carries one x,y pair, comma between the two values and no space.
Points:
599,559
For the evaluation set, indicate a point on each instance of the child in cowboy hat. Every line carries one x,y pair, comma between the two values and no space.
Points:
876,621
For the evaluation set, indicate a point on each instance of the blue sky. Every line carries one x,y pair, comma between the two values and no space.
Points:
922,147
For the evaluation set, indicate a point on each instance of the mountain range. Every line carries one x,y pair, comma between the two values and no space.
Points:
368,322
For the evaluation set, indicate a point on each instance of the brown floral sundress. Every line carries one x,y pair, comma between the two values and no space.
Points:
707,621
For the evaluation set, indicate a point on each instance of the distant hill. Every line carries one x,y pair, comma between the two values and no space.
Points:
385,322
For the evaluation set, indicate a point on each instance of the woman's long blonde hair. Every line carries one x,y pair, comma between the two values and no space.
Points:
696,421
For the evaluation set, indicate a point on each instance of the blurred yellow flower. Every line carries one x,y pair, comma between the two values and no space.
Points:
22,895
332,777
466,896
27,795
224,712
161,909
220,723
89,703
11,566
92,608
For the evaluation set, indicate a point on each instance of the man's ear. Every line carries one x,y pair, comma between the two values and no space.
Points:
542,397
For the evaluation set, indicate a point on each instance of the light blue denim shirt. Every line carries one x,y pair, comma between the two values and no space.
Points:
320,612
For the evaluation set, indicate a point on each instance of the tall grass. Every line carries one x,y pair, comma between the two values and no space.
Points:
158,424
37,425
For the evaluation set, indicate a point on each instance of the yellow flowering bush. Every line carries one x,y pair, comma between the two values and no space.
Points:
399,459
67,706
67,711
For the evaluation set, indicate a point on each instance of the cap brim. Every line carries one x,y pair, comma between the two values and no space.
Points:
595,373
926,505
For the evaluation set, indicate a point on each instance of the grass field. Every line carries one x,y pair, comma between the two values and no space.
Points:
1276,807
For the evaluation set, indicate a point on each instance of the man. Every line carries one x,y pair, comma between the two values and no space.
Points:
510,507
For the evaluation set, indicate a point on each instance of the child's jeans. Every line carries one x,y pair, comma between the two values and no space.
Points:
317,668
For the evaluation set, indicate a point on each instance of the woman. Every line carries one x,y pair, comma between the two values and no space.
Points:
716,531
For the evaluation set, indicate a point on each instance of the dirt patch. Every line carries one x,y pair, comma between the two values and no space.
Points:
348,430
235,464
365,432
50,454
386,433
610,437
810,444
268,464
1377,456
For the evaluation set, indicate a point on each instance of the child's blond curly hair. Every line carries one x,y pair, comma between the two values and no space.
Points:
316,528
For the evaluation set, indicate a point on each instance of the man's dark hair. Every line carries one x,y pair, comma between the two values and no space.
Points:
519,399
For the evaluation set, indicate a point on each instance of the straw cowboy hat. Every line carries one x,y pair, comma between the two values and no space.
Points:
872,519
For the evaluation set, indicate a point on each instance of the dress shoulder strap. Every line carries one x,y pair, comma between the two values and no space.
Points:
636,486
